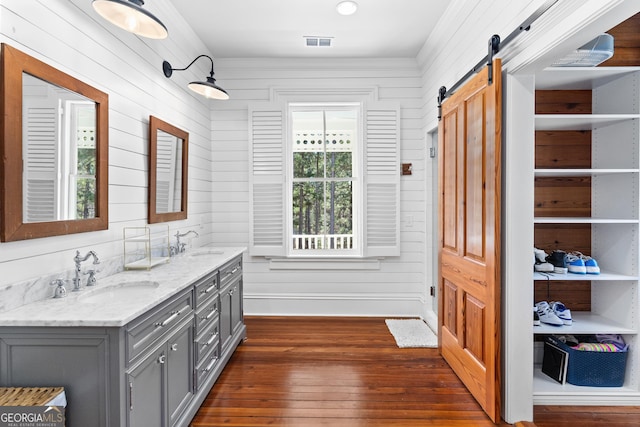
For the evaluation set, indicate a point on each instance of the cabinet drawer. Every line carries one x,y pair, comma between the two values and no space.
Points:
150,327
206,288
230,271
207,366
207,341
207,314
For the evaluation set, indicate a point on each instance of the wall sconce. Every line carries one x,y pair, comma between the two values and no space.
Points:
208,89
129,15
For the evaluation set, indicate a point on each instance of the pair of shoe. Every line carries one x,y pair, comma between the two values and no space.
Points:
582,264
556,314
561,262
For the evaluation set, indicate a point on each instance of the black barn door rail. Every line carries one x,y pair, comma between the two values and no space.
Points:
495,44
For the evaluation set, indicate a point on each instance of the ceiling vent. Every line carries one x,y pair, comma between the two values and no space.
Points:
591,54
313,41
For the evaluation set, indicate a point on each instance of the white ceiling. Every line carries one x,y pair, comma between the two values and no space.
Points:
276,28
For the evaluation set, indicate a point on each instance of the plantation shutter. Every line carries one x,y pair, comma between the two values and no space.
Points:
267,180
40,170
166,168
382,181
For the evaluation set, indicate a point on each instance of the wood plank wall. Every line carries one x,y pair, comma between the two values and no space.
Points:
626,44
565,196
571,196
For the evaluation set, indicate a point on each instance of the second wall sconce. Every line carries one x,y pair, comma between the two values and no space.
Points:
208,89
129,15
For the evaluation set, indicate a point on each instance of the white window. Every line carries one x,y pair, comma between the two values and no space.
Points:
323,179
323,199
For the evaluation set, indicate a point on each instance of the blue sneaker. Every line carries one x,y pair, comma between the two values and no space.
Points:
575,264
591,265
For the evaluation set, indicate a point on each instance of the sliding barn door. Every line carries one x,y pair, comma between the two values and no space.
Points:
469,255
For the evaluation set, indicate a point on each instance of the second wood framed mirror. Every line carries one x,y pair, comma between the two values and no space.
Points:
168,167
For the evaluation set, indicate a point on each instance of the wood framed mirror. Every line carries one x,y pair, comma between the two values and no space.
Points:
54,153
168,167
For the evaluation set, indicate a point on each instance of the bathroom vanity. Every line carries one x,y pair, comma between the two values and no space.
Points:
140,349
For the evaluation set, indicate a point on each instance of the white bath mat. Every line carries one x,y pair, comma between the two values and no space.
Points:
412,333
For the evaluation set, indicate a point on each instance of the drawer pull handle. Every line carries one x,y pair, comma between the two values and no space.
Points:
209,289
174,347
162,359
130,396
232,272
169,319
174,316
210,365
210,315
211,340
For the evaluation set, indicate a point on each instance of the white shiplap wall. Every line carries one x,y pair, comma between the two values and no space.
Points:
69,35
397,286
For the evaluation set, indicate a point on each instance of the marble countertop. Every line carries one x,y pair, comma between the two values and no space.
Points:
109,304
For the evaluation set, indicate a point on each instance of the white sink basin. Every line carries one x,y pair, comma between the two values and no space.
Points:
119,291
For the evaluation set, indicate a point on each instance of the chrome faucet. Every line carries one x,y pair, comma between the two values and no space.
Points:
78,260
180,247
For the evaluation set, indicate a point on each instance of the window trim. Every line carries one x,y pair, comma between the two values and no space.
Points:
266,135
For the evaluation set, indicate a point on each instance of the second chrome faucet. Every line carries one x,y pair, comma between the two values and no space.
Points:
180,247
78,261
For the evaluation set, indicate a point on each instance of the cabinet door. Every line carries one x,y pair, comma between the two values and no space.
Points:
146,391
236,305
225,316
179,371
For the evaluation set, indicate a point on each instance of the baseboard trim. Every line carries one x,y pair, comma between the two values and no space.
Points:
291,304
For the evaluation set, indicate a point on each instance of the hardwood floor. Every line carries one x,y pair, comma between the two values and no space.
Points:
310,371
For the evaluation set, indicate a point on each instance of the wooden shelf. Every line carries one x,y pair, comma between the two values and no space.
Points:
549,392
582,220
581,172
603,276
585,323
579,121
578,78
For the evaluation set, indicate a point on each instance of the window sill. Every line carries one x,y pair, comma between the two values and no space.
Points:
328,263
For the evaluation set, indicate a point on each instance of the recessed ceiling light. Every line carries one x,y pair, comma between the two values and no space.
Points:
347,7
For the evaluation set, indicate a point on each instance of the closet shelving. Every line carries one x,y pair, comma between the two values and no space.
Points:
612,185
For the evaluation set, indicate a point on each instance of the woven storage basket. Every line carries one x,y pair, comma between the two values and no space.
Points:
28,396
594,368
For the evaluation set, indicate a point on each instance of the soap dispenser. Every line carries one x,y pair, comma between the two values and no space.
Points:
60,291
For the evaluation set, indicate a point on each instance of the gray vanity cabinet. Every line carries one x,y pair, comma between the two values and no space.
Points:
154,371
